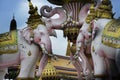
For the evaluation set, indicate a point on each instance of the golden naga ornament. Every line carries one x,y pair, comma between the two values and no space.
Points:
105,10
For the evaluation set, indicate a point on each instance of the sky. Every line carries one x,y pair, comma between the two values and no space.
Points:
20,10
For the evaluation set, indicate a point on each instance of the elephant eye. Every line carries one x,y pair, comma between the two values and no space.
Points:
41,33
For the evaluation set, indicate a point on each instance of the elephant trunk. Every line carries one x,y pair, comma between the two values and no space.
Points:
48,10
55,23
87,69
42,65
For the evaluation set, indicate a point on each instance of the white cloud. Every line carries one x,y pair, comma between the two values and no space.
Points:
59,44
23,26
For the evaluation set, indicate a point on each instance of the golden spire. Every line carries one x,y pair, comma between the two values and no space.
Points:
105,10
91,15
34,19
30,4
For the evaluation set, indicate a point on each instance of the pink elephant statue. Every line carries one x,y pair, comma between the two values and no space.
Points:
25,50
105,51
41,37
83,48
18,51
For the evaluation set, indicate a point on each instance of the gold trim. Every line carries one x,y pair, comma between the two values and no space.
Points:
104,14
25,79
114,28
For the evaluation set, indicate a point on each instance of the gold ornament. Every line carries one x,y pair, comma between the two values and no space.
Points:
29,53
25,78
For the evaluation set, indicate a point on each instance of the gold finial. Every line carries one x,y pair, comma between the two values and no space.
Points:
29,53
13,16
30,3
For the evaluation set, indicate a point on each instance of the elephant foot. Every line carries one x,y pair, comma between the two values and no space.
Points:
25,79
38,74
100,77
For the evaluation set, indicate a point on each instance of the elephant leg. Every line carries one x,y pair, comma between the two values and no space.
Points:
32,71
99,67
27,68
2,73
117,59
114,72
42,64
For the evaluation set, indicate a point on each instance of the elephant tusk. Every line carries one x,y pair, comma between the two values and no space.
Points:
46,52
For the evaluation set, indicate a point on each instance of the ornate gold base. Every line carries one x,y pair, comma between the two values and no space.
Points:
40,79
25,79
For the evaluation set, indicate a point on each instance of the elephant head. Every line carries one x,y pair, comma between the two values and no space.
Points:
41,35
28,34
56,22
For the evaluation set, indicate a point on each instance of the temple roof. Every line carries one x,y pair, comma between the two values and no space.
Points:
13,24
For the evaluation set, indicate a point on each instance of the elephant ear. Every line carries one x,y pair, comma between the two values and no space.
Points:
83,13
27,34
